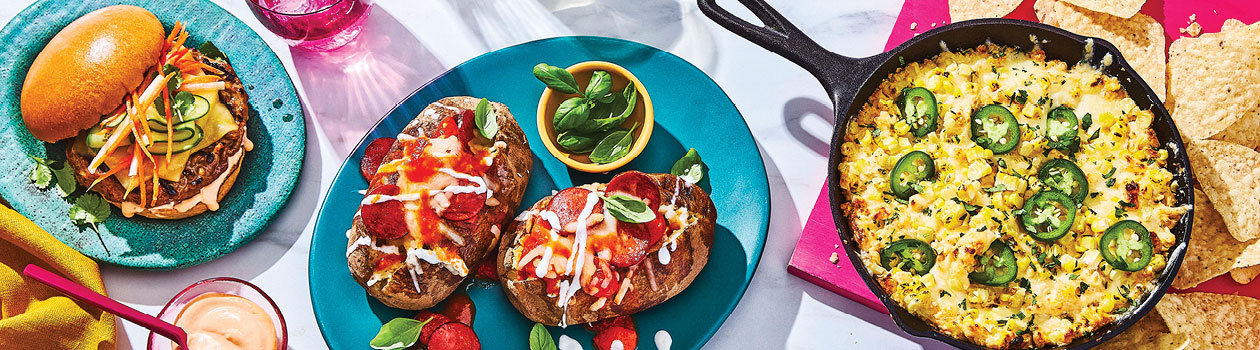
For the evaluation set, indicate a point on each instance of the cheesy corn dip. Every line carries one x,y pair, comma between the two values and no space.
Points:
1011,201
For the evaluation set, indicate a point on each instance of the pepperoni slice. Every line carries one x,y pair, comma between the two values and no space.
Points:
639,185
623,321
487,269
387,260
604,283
629,250
568,204
459,125
460,308
464,206
436,321
628,338
454,336
384,220
372,156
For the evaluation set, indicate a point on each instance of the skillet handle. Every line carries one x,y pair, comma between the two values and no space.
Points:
782,37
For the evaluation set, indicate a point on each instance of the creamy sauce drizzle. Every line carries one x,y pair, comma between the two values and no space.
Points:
567,343
663,340
570,288
208,195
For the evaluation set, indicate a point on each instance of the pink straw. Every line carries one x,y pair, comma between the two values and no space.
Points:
102,302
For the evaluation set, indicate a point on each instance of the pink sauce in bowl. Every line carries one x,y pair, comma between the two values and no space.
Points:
224,313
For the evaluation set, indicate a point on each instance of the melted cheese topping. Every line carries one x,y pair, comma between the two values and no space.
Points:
1063,289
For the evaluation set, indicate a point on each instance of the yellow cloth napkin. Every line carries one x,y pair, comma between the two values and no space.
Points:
34,316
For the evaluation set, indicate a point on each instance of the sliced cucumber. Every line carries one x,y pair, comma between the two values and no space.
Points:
96,137
200,107
178,145
182,132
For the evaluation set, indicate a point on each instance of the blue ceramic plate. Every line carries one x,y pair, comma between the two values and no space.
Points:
691,112
267,175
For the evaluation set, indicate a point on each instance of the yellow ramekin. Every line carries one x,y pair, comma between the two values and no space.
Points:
642,114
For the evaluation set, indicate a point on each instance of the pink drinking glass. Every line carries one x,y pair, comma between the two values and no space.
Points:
316,25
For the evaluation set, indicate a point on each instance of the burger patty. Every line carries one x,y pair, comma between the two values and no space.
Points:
203,167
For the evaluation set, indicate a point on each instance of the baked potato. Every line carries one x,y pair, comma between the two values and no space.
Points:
626,266
436,203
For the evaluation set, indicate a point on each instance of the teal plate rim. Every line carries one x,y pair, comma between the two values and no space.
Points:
267,177
483,292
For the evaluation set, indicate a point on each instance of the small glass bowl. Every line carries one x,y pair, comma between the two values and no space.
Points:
225,285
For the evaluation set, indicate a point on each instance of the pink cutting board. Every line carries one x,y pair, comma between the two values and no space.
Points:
812,258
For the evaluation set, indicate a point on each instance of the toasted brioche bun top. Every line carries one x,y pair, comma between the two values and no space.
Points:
87,69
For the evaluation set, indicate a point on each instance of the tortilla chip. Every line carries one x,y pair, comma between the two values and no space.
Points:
962,10
1140,38
1230,176
1121,8
1249,256
1212,81
1212,252
1244,275
1232,24
1148,333
1213,321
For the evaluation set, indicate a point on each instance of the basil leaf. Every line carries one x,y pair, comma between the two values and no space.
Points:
90,209
599,87
613,147
398,333
209,50
576,142
556,78
41,175
487,120
623,105
540,339
628,209
689,167
65,179
571,114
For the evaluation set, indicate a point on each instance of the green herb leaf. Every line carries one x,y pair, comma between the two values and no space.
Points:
577,142
600,87
556,78
622,106
1087,121
689,167
398,333
628,209
486,119
209,50
614,146
89,209
997,188
182,104
65,179
571,114
41,175
540,339
177,78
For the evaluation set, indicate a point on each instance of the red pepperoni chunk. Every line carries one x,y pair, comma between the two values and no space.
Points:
629,250
384,220
436,321
464,206
460,308
487,269
372,156
638,185
627,336
568,204
604,283
459,125
454,336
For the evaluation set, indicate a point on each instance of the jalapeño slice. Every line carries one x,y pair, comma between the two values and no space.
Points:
1048,215
1126,246
1064,176
910,255
1061,127
918,109
996,266
994,127
910,169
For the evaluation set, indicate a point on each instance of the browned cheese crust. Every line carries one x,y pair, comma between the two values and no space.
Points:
507,177
204,166
694,247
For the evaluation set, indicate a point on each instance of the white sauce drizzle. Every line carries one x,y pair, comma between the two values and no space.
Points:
543,263
616,345
378,198
478,182
361,242
663,340
567,343
663,255
570,288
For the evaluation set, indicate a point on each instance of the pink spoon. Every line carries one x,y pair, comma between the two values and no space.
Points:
102,302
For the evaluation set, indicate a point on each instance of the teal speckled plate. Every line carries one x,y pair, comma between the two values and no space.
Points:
691,112
268,173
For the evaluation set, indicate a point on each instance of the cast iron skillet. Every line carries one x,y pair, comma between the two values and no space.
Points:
850,79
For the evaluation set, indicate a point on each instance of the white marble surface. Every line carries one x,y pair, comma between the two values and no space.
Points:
408,42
